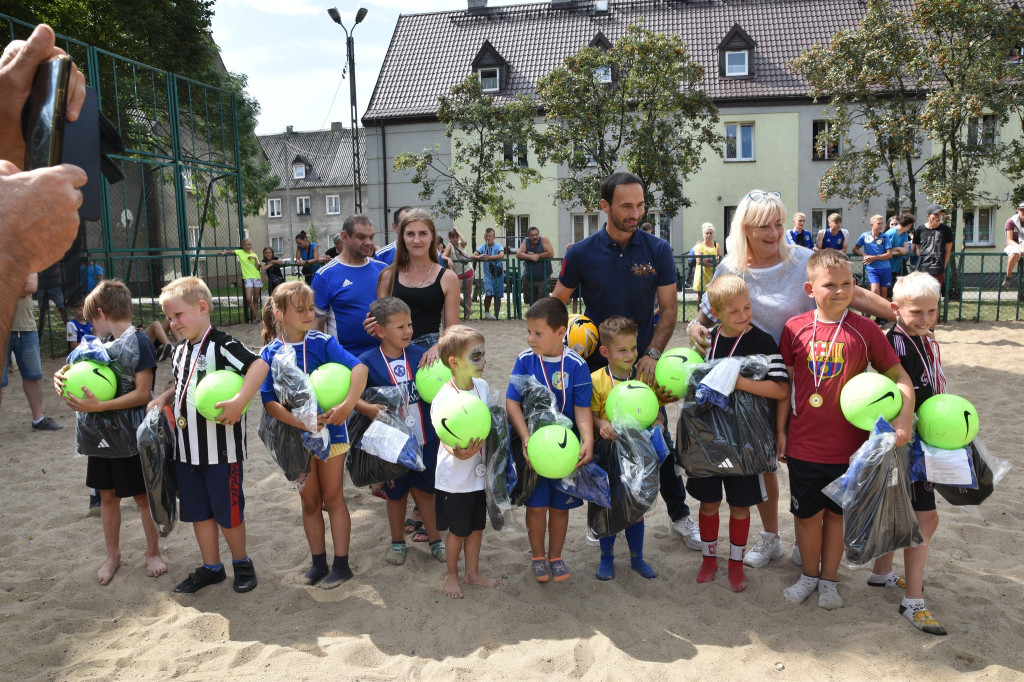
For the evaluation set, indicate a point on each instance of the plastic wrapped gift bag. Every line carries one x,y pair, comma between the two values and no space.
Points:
631,463
391,445
539,409
155,437
500,479
110,434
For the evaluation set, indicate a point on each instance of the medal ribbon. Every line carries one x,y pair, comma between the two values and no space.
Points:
561,371
735,343
931,360
195,363
819,376
452,382
387,363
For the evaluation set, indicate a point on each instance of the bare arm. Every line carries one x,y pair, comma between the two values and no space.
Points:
282,414
667,305
31,285
871,304
253,378
521,252
562,292
585,425
904,421
777,390
782,408
549,251
515,417
138,396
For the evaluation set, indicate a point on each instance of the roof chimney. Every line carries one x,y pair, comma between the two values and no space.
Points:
477,5
288,129
336,126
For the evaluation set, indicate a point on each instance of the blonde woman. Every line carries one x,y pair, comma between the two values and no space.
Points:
705,269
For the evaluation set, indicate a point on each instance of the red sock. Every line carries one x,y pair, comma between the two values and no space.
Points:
709,547
737,579
739,529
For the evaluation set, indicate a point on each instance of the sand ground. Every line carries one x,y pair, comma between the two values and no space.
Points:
56,622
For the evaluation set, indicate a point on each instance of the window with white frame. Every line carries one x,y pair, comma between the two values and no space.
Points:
277,244
299,171
821,148
819,218
662,225
739,141
515,231
584,225
302,205
273,208
333,204
603,74
978,226
490,79
515,154
736,63
981,131
193,237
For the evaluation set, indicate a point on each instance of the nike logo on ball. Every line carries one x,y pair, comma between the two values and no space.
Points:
967,422
96,371
444,425
565,439
890,395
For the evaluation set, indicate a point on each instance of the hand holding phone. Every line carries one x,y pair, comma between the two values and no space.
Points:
45,113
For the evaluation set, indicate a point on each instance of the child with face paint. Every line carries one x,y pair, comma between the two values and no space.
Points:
459,501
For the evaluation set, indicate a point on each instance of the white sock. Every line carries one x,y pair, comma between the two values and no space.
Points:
828,595
709,549
913,604
798,592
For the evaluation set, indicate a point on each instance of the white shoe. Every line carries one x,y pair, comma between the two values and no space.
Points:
592,539
767,548
687,527
795,555
489,316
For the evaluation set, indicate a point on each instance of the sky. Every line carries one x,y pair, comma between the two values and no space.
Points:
293,54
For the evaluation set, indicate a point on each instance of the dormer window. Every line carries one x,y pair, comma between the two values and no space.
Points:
299,171
736,63
490,79
736,54
491,68
603,74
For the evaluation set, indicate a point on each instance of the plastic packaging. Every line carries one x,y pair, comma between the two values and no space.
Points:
110,434
500,478
738,440
364,466
285,444
631,464
875,496
295,392
539,409
988,469
588,482
156,454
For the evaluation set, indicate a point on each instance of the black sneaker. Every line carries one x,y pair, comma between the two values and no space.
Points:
245,576
46,424
200,578
94,505
166,351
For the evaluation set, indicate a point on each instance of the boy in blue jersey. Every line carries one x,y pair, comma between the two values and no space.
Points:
834,236
78,326
876,248
898,234
567,375
395,364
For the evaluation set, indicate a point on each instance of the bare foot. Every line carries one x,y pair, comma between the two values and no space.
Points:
155,566
108,569
480,580
452,588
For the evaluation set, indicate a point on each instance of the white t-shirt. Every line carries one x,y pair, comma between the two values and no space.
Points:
454,475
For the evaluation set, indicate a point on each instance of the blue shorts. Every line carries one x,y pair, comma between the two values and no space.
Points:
421,480
25,346
882,278
55,294
545,494
211,491
494,286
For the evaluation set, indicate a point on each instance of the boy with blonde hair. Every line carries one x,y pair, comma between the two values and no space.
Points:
209,454
823,349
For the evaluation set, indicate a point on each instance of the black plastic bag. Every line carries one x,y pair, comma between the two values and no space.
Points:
875,496
736,441
156,454
110,434
364,467
500,478
633,477
295,393
285,444
987,477
539,409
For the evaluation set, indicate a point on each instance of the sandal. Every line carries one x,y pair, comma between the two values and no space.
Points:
412,526
438,551
378,491
421,534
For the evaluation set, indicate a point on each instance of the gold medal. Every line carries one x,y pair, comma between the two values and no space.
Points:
182,422
816,400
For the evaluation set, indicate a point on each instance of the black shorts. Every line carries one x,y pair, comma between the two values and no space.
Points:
460,513
123,475
806,482
740,491
922,496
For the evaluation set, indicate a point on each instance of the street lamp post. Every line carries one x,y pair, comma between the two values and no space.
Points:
357,174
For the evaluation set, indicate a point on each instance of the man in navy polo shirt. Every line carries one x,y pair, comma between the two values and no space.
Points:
622,270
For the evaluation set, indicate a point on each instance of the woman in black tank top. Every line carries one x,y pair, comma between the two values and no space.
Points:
415,277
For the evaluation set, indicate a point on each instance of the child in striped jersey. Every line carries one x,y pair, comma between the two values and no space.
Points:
208,457
288,316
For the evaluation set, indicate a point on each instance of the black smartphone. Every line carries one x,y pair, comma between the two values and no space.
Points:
44,113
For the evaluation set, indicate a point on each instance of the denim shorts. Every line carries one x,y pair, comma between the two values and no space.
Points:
426,341
25,346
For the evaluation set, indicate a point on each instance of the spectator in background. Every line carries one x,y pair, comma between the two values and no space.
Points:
1014,241
51,288
935,243
307,256
333,251
90,273
648,228
537,252
899,238
462,265
798,235
705,269
272,266
386,254
835,237
494,272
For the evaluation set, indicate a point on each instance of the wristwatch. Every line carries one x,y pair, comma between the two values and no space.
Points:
653,352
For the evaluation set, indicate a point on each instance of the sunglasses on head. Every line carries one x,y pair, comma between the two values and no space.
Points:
758,196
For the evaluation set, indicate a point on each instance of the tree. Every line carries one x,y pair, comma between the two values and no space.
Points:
172,35
637,105
486,140
875,79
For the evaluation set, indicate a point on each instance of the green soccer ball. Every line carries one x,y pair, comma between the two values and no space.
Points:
331,382
460,419
947,421
217,387
99,379
868,396
429,380
674,369
632,403
554,451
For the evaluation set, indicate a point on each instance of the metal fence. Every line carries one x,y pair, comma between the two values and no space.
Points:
180,200
973,290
